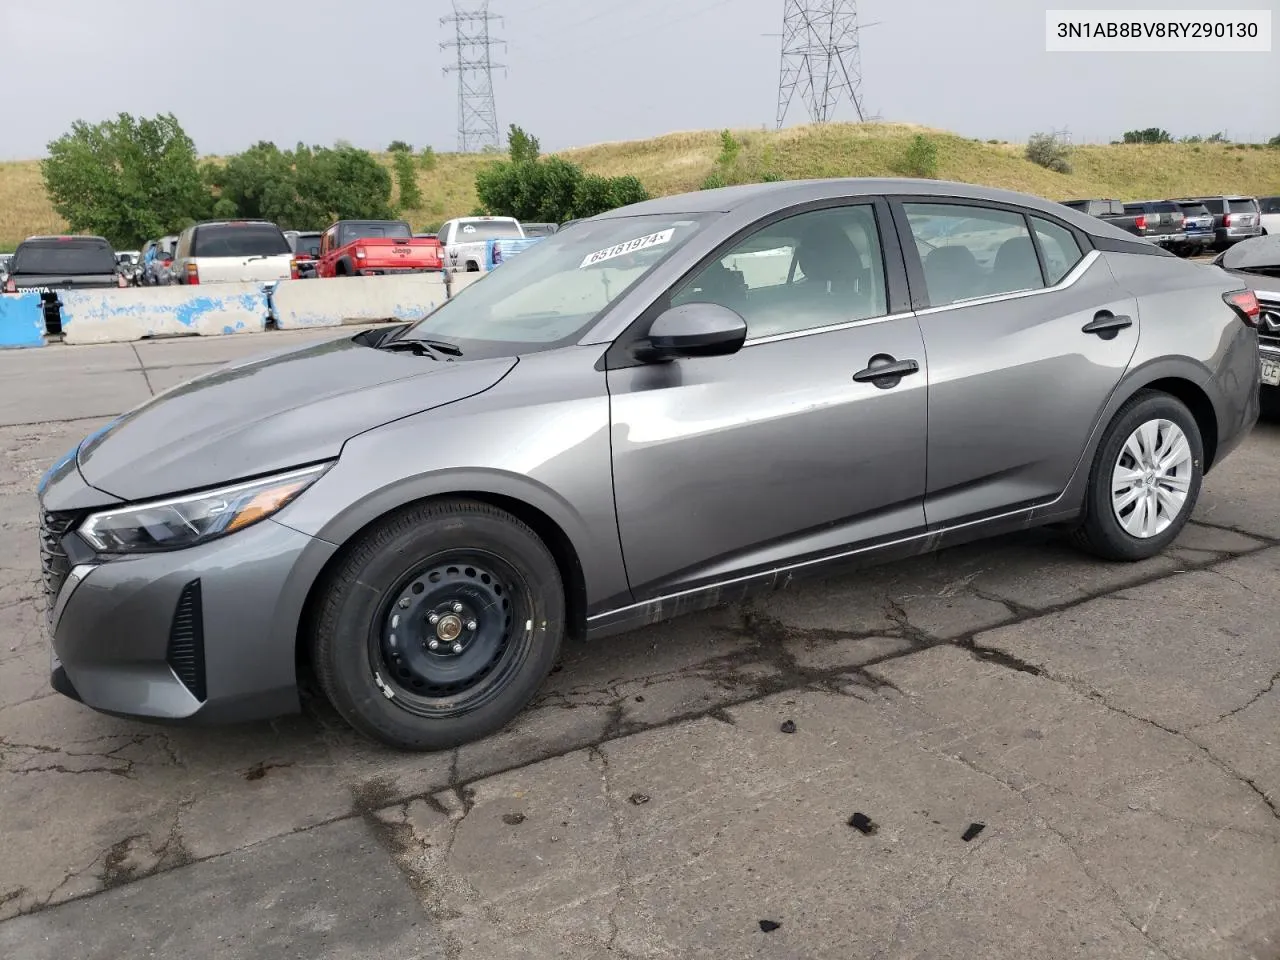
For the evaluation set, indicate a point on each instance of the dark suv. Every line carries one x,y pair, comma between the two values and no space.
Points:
1234,219
1160,221
1198,227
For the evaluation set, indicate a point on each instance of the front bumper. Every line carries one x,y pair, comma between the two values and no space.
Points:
207,634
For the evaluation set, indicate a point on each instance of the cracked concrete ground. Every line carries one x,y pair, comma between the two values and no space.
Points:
1115,729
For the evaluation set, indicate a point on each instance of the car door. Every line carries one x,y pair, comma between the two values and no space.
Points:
1027,333
788,448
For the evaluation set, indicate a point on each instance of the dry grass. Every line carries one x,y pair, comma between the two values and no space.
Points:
681,161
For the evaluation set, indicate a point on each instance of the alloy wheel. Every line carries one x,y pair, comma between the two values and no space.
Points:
1151,479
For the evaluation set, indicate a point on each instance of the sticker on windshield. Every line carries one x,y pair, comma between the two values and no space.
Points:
630,246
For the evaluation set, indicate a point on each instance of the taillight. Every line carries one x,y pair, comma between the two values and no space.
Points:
1226,221
121,281
193,274
11,286
293,269
360,254
1245,304
1141,222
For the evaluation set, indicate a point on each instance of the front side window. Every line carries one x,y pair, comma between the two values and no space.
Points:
969,252
807,271
550,294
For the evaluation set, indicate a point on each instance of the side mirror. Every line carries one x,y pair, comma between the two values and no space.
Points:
693,330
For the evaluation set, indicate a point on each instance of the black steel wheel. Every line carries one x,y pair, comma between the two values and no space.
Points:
439,625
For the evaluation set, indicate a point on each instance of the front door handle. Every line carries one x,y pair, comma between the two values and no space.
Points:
886,371
1107,325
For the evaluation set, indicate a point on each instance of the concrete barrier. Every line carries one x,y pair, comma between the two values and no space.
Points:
460,281
135,313
21,320
331,302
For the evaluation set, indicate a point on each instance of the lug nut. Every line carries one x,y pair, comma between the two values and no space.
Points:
404,604
433,618
457,607
471,624
433,644
457,648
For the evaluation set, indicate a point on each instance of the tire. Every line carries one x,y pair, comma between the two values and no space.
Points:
369,646
1101,531
473,267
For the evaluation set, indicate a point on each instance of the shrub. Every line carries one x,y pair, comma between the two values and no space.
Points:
714,181
1274,141
921,158
1048,151
399,146
407,180
1149,135
427,159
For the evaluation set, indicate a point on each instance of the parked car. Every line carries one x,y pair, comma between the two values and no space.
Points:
465,239
4,267
1235,218
51,264
1159,222
370,248
618,427
305,245
1269,211
1197,228
227,251
1257,263
157,261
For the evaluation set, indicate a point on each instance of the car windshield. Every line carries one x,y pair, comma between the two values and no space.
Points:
70,257
308,243
471,231
553,291
238,240
367,230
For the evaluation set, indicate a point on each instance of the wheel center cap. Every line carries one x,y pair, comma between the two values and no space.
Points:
448,628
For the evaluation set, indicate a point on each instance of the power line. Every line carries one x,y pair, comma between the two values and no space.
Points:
820,56
477,114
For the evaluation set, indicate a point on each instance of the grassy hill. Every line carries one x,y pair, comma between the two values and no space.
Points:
681,161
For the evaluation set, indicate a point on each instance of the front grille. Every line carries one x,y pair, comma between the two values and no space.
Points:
185,653
54,562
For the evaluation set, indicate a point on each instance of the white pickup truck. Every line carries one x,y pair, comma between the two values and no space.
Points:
465,240
222,251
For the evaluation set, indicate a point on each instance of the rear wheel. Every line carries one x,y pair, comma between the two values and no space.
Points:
439,626
1145,480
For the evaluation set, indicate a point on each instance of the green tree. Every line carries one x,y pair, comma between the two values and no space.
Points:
399,146
921,159
1148,135
1274,141
522,147
407,180
128,179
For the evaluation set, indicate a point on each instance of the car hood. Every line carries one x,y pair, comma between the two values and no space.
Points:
271,413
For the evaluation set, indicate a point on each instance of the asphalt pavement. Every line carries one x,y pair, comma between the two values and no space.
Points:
1003,751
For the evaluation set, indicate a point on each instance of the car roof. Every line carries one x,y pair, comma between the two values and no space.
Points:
790,192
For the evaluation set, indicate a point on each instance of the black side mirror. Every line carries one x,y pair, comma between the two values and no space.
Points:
693,330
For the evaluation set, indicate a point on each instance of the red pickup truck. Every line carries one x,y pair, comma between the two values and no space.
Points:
371,248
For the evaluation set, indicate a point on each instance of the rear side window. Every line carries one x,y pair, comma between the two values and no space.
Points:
238,240
1242,206
72,257
970,252
1059,247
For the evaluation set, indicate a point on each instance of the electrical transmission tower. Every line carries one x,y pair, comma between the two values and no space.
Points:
477,116
820,56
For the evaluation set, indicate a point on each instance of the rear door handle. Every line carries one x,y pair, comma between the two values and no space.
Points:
885,371
1107,325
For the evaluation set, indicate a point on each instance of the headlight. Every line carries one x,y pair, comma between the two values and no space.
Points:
185,521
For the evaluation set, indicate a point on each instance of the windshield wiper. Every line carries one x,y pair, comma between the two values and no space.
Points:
420,346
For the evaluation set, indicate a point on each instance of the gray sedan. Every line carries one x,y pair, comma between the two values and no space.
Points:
663,408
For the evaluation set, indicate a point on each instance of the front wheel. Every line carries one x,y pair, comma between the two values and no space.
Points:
439,626
1145,480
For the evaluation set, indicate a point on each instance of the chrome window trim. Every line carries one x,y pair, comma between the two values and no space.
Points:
1073,276
829,328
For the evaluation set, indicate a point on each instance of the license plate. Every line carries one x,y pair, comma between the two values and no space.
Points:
1271,373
